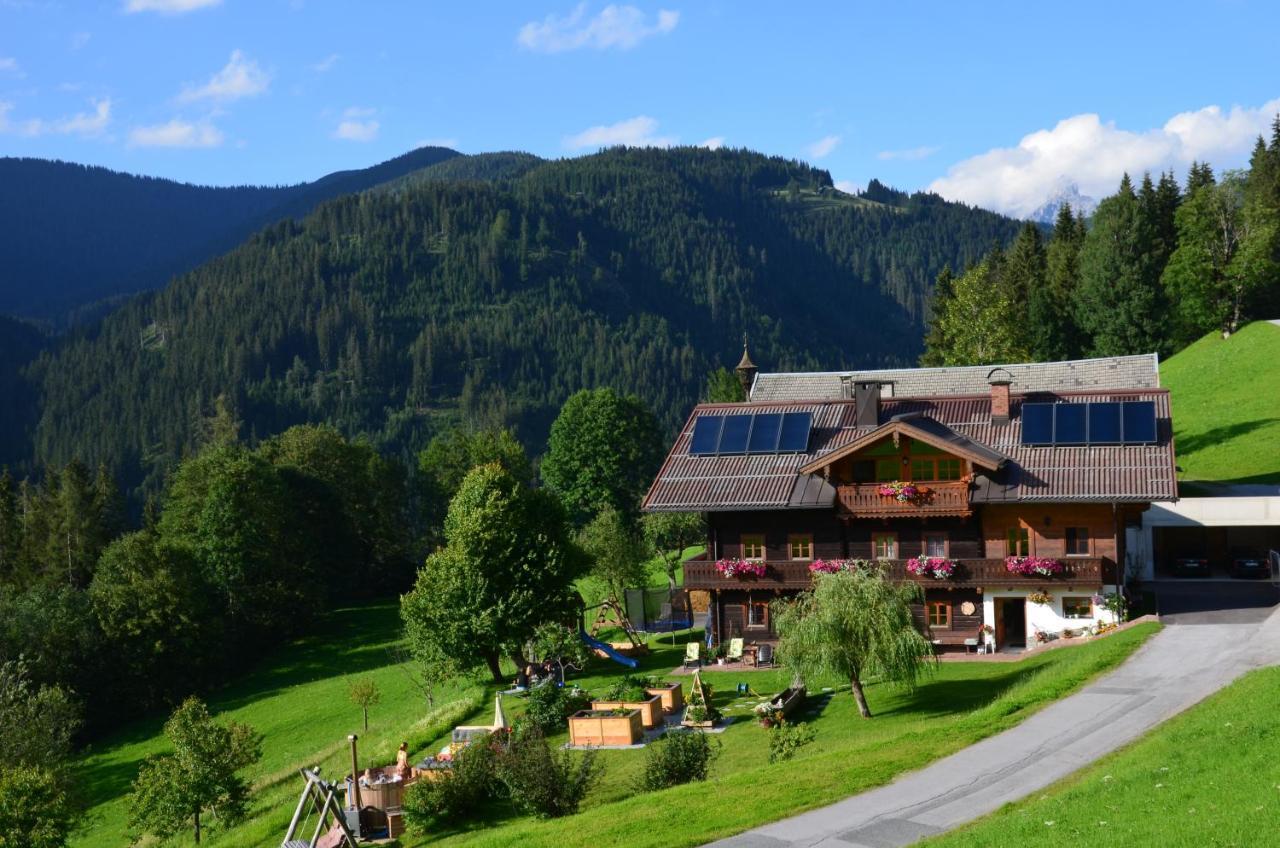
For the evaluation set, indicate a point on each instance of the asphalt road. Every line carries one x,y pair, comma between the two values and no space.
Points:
1178,667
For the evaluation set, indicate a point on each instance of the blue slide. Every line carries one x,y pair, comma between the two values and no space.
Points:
607,650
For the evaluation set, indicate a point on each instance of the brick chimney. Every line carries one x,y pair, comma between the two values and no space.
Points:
1000,379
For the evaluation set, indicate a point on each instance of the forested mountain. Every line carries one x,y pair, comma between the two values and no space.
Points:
72,236
391,313
20,343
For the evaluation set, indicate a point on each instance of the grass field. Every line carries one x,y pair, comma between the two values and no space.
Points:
1207,777
1226,406
297,698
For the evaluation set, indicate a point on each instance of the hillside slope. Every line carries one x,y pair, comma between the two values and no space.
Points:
389,313
1226,406
72,235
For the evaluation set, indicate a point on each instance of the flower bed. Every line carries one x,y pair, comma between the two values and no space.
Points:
939,568
1033,566
650,709
605,727
741,568
902,492
671,694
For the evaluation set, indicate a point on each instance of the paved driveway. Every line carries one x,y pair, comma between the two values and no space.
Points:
1192,601
1175,669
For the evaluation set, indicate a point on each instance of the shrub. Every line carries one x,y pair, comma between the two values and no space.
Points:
455,795
677,758
785,739
543,783
549,706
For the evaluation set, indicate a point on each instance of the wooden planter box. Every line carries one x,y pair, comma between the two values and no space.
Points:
687,722
672,697
650,709
592,727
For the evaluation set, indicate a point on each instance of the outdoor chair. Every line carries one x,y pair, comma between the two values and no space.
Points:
734,654
693,655
764,656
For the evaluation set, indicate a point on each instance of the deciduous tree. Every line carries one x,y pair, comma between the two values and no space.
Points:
853,625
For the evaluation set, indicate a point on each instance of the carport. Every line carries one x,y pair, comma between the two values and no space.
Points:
1216,529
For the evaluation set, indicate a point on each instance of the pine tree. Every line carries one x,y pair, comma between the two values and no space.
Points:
936,342
10,527
1024,273
1199,175
1119,302
1049,309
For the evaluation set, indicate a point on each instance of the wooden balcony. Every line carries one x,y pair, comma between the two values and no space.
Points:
1078,574
865,501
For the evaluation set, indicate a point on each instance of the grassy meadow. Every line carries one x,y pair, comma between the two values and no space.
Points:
1206,777
297,697
1226,406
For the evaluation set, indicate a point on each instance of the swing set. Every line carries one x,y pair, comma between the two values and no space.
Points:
318,796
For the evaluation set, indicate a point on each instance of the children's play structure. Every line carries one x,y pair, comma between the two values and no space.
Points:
318,797
606,650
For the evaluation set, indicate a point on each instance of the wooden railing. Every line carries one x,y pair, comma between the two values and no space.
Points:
1078,573
864,499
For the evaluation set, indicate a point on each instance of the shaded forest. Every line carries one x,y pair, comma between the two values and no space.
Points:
394,314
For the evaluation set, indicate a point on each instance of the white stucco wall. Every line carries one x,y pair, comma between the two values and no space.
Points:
1046,617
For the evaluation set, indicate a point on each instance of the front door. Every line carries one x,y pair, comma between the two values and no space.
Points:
1013,621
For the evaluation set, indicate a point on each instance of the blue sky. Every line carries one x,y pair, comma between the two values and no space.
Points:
996,104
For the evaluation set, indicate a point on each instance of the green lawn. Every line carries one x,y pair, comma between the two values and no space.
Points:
297,697
1226,407
1207,777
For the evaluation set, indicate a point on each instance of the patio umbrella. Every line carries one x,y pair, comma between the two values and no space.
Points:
499,718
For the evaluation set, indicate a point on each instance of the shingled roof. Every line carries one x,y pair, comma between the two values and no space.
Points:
1119,473
1117,372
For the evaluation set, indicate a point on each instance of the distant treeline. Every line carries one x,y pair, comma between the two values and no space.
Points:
1156,268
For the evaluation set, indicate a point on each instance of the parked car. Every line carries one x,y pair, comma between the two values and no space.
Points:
1191,567
1249,564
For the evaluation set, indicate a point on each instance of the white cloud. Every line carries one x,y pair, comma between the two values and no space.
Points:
176,133
848,186
823,146
326,63
714,143
352,128
240,77
168,7
1093,154
639,131
82,123
616,26
911,154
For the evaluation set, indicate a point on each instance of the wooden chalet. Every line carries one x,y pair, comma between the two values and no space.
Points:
972,466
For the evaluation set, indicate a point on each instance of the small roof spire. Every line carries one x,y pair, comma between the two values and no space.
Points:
746,369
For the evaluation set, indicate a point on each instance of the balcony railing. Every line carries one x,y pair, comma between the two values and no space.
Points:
864,499
1078,573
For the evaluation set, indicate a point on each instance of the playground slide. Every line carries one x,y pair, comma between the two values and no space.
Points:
607,650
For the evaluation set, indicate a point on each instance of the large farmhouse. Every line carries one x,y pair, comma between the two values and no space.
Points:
1004,491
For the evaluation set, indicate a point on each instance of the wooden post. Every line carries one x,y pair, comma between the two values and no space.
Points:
355,773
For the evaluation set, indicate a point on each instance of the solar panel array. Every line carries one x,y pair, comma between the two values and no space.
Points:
1130,422
757,432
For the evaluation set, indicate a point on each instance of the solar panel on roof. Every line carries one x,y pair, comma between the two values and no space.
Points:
1104,423
733,436
1139,422
795,432
764,433
706,434
1037,423
1069,423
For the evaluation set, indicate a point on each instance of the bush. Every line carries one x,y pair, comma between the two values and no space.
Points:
34,809
542,783
549,706
785,739
677,758
456,794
